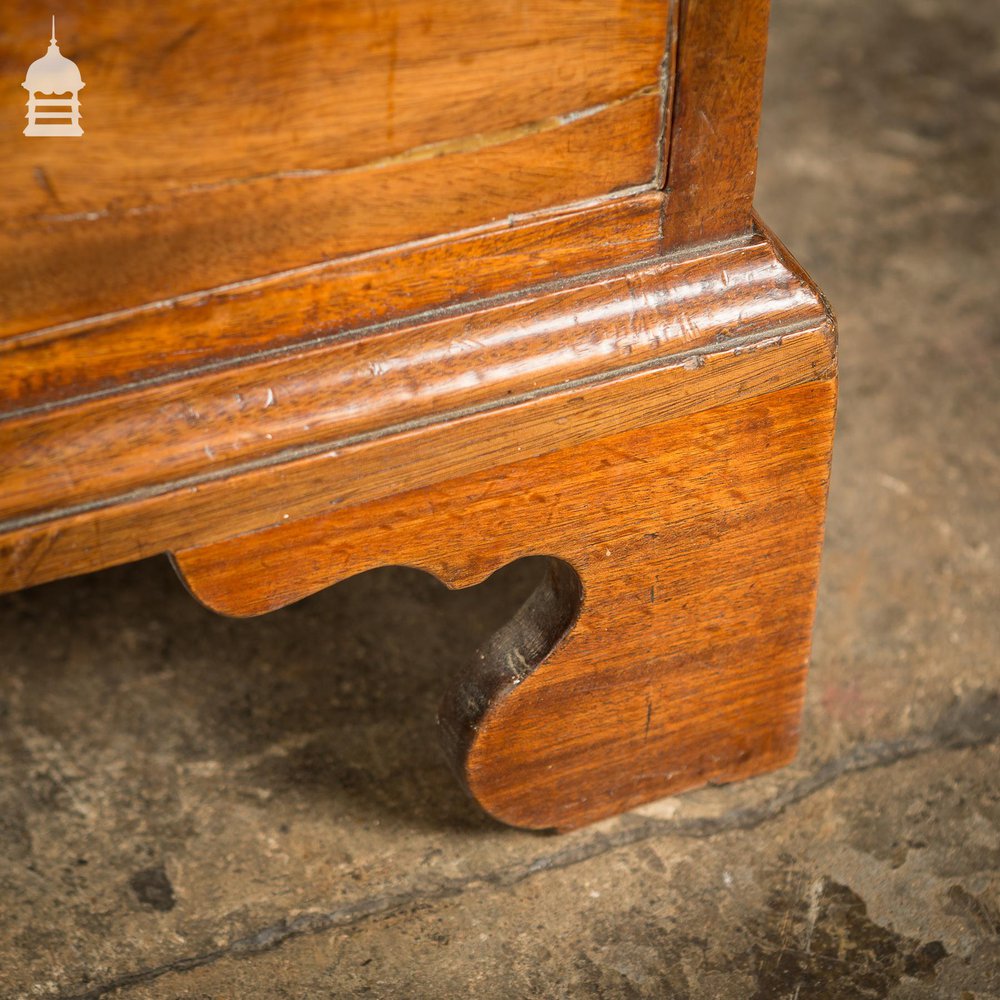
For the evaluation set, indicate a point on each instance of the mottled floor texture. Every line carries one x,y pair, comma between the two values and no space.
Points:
197,807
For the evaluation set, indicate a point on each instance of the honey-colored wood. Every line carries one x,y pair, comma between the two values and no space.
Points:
339,298
335,286
216,420
143,252
166,466
696,543
719,83
233,140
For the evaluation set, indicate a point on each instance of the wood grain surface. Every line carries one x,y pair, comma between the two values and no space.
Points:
337,298
233,140
330,286
141,253
683,645
215,420
178,464
712,168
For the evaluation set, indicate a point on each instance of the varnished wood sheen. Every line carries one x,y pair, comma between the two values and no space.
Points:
88,493
696,543
216,421
718,88
334,286
232,140
332,299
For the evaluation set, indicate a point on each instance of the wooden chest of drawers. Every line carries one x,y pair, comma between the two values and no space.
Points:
329,286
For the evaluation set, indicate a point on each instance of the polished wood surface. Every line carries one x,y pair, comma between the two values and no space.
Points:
133,474
440,285
216,421
228,141
339,298
696,543
269,242
719,84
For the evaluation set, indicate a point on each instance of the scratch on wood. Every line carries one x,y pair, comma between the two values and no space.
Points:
45,183
177,42
416,154
431,150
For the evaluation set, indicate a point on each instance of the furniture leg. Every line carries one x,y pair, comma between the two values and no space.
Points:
666,645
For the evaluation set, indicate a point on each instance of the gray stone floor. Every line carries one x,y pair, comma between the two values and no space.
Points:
196,807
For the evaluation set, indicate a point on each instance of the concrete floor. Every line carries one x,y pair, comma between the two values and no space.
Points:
195,807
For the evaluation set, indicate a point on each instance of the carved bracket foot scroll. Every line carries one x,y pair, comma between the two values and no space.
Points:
666,646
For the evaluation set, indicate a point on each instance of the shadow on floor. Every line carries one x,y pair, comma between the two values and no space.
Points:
331,700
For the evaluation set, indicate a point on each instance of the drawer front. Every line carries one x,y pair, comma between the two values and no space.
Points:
231,140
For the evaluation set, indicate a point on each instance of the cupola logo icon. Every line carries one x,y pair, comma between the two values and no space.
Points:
56,76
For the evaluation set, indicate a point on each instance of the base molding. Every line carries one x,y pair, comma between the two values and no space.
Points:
164,467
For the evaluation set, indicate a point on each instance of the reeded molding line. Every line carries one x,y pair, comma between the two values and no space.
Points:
690,359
